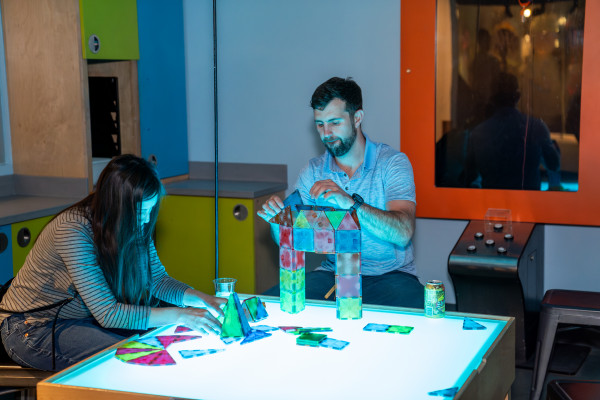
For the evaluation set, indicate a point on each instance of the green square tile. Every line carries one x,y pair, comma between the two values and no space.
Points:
292,302
349,307
291,281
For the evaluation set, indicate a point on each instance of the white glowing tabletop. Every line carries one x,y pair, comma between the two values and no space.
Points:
438,354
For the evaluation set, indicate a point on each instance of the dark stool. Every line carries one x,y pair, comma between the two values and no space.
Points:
560,306
573,390
17,379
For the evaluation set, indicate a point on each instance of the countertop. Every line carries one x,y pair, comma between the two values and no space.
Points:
17,208
227,188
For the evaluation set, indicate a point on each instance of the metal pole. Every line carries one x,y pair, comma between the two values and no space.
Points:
216,138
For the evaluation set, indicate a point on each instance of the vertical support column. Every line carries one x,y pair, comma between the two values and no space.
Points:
348,278
291,273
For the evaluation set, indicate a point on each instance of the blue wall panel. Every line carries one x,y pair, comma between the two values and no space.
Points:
6,261
162,86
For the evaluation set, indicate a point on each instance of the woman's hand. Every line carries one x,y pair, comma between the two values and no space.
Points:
195,298
199,319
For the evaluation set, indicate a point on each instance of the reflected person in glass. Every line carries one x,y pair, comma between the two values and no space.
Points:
506,150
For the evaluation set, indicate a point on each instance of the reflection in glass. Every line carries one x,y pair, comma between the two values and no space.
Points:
508,94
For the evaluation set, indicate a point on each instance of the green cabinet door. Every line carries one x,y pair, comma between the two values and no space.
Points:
236,243
185,240
109,29
23,236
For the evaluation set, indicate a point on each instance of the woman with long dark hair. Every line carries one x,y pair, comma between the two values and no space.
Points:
93,276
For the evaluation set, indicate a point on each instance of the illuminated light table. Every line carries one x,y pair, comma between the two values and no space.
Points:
438,354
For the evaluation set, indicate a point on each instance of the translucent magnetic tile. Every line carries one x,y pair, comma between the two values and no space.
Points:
161,357
347,263
299,259
292,308
251,303
285,237
285,258
349,307
334,343
181,329
252,307
304,239
301,221
322,222
235,323
198,353
348,286
300,331
335,217
291,259
283,218
310,339
347,241
254,335
291,281
265,328
311,216
261,312
376,327
470,325
348,223
450,392
292,303
324,241
403,330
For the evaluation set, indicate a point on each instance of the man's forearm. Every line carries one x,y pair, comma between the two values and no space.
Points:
396,227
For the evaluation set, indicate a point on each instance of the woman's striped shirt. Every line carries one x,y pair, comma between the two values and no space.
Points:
63,262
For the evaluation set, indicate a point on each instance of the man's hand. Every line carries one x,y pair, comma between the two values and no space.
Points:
331,193
271,208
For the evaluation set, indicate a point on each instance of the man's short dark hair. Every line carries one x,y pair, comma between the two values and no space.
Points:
338,88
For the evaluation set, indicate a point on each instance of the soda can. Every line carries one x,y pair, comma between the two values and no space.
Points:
435,299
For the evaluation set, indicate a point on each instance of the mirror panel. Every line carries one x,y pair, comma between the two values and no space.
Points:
418,130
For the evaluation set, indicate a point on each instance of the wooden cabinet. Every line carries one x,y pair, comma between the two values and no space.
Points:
47,85
162,86
185,241
48,90
6,261
109,29
23,236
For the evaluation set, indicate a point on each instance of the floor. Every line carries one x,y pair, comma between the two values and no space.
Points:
589,370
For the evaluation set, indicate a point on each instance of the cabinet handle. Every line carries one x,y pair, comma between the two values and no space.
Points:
3,242
23,237
240,212
94,44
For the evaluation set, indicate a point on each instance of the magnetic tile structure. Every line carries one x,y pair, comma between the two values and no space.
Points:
235,325
323,230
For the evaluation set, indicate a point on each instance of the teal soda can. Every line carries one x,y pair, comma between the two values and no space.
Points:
435,299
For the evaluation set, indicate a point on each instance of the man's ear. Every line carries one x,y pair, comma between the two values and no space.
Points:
358,117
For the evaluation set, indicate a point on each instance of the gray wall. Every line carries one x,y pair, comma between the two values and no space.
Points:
273,53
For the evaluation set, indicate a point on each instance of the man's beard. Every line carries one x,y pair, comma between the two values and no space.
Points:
344,146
